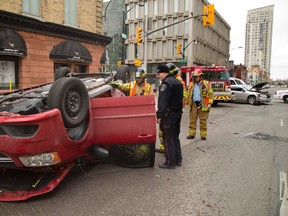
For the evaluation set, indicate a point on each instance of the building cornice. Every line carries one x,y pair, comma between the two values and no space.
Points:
19,22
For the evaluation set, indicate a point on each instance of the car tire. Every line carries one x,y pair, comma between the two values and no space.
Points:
123,74
285,99
251,100
61,72
70,96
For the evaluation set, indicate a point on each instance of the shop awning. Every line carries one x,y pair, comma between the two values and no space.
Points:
71,51
12,43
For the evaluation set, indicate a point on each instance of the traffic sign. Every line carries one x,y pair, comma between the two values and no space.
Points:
183,60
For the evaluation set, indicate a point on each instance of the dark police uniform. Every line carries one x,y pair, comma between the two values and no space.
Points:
170,106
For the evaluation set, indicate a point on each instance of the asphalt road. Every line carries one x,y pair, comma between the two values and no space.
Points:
237,171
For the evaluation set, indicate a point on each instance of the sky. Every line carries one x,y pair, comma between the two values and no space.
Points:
235,14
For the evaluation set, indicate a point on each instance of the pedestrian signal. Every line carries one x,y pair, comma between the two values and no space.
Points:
208,18
139,35
179,48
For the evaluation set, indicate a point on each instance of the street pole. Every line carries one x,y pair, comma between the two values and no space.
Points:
145,42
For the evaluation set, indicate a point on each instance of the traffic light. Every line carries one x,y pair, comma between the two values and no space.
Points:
137,62
208,18
139,35
179,48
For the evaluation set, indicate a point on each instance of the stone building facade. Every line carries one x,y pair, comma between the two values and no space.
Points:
201,45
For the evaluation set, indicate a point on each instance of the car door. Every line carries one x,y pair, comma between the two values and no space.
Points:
237,92
124,120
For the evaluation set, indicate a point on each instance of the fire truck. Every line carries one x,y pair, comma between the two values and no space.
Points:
218,76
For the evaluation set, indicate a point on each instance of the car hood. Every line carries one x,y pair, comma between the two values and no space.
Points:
259,86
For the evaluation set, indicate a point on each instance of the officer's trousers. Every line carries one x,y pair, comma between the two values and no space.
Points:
170,127
203,116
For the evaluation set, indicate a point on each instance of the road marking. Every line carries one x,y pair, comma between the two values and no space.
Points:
283,195
281,122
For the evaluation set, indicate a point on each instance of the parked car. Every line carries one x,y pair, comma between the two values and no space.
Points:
281,95
251,95
46,129
236,81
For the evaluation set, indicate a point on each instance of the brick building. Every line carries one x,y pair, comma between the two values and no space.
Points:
37,36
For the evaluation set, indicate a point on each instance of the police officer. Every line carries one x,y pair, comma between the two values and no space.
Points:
200,99
169,116
175,71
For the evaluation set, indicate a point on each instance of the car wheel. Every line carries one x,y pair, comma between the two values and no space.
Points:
61,72
69,95
285,99
123,74
251,100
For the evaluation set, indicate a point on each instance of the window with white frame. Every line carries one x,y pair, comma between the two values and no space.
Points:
186,27
155,24
175,6
136,12
165,6
31,7
146,8
164,49
155,7
154,49
186,4
174,48
175,27
165,23
71,13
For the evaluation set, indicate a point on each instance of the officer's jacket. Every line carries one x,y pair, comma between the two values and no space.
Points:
135,89
206,95
170,96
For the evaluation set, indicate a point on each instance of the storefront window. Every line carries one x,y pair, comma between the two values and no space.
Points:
7,74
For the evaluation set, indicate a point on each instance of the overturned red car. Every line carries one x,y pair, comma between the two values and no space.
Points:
46,130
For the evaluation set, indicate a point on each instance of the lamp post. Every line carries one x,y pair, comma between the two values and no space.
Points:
106,9
240,47
123,35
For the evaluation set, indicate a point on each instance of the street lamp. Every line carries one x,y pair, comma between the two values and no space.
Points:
123,35
106,9
240,47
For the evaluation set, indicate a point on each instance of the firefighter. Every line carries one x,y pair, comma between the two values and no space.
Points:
137,87
200,100
133,154
169,116
175,71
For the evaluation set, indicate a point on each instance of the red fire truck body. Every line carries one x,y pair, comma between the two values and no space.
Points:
218,76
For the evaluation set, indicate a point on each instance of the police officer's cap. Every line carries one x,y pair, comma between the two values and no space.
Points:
162,68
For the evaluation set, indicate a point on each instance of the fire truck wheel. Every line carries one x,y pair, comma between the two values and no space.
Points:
61,72
69,95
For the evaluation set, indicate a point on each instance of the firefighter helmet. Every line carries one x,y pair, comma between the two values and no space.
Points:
172,68
140,73
197,73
